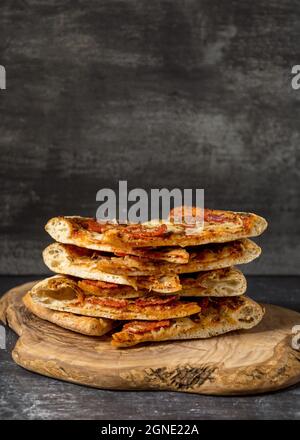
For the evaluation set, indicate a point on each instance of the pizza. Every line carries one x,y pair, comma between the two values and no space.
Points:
219,227
86,263
225,282
220,282
217,316
85,325
73,261
84,232
70,298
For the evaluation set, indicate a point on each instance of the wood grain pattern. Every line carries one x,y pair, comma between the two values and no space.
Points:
161,93
255,361
26,395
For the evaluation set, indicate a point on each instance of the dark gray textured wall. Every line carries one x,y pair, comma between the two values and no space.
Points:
160,93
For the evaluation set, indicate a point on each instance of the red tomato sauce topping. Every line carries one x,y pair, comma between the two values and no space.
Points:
140,327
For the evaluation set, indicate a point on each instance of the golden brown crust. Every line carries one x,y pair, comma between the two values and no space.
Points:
63,260
66,296
73,230
220,282
85,263
79,324
225,282
219,227
218,316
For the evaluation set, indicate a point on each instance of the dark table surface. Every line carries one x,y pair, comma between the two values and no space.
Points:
26,395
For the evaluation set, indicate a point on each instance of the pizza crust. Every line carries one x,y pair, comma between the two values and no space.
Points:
229,281
237,225
83,263
59,259
247,316
64,230
68,297
79,324
220,282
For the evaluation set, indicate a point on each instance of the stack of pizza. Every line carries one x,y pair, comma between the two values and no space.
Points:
154,281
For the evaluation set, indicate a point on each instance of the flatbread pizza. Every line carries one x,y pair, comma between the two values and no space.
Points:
68,297
86,263
221,282
85,325
74,261
217,316
219,227
82,232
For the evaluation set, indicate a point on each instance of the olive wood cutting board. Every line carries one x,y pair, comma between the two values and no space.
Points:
243,362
